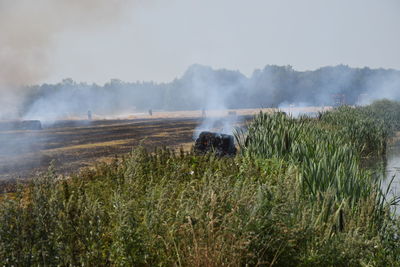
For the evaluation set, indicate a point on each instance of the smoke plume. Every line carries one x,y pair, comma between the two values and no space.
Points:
28,31
213,90
204,88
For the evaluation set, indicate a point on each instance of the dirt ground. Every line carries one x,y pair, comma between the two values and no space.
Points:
76,143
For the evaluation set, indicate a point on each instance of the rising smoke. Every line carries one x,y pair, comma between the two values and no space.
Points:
28,31
203,88
213,90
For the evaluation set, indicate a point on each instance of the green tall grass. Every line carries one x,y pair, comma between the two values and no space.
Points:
366,130
327,160
166,209
295,196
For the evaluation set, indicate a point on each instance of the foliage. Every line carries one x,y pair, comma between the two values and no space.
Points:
363,128
295,196
166,209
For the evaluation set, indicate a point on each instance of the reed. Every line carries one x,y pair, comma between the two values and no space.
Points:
295,196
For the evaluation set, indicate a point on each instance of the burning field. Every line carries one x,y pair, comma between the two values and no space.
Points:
221,207
73,144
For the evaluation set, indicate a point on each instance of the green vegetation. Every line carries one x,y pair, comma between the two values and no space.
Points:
325,158
296,195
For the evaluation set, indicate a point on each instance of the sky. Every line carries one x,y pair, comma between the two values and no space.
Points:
157,40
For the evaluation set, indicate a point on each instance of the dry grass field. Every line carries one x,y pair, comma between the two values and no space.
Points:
76,143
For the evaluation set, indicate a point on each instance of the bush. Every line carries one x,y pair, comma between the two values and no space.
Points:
295,196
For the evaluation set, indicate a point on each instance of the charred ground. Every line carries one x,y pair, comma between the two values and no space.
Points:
75,144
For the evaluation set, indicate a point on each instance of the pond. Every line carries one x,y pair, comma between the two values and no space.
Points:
392,170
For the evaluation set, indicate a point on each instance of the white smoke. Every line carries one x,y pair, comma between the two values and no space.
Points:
213,89
382,85
28,30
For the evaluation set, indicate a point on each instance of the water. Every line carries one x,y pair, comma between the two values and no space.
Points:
392,169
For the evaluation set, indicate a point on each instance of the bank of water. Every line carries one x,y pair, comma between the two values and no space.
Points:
392,170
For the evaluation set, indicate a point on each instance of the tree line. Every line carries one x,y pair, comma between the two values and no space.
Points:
202,87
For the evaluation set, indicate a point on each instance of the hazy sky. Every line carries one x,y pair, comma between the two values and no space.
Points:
158,40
